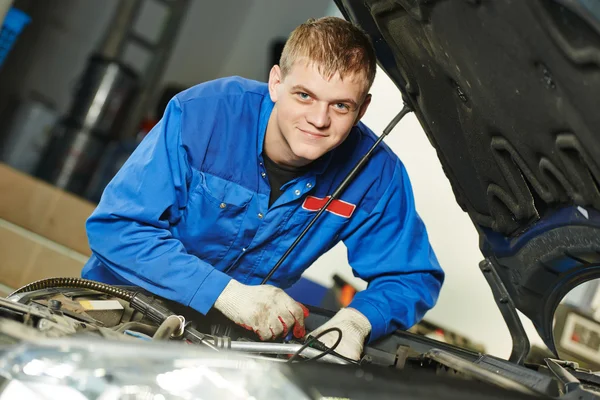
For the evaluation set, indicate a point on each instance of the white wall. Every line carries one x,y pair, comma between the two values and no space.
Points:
232,37
205,40
268,19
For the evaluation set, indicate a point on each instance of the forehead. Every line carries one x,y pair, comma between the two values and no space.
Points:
309,75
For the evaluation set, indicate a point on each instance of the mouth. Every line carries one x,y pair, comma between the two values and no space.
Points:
313,135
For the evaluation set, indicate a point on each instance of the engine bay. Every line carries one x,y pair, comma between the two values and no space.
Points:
128,313
78,309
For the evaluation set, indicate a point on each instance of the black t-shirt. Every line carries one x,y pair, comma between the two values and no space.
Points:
279,175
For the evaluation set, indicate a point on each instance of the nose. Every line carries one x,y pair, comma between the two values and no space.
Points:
318,116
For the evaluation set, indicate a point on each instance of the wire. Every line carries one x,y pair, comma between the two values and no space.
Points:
314,339
326,350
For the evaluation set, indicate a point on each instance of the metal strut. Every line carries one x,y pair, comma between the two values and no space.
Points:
336,194
505,303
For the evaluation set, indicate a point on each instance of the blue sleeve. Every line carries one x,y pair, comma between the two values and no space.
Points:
390,250
129,230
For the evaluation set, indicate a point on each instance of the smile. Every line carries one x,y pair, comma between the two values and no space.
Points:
312,134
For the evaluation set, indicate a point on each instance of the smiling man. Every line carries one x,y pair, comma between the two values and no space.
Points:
234,171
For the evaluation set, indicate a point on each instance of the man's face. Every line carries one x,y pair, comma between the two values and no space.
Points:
312,115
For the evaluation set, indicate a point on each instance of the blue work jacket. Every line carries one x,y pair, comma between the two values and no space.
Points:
189,211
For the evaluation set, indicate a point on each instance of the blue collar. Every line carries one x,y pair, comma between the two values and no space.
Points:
266,108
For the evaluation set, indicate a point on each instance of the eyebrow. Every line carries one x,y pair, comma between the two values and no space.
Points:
307,91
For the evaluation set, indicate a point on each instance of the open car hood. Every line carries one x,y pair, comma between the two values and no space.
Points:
508,92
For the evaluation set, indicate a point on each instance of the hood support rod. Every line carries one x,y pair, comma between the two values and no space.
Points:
336,194
505,303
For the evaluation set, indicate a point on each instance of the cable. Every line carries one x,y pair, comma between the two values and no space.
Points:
326,350
314,338
320,346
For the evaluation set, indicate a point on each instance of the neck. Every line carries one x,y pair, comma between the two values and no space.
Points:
277,148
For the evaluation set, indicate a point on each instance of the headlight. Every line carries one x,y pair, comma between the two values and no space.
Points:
99,369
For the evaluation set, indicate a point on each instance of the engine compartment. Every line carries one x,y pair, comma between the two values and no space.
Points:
130,313
76,309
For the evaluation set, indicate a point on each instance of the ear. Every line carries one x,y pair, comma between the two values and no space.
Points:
363,108
274,82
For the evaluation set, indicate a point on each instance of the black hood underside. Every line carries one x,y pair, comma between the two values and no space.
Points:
508,92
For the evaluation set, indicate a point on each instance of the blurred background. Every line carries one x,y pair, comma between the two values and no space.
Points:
83,81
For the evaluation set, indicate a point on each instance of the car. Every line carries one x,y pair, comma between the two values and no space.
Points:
507,92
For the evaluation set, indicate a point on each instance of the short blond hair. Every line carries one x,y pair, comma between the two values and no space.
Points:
334,45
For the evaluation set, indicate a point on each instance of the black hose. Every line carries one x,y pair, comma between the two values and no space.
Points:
75,283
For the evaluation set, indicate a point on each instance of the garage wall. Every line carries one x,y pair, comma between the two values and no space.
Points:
65,34
232,37
218,38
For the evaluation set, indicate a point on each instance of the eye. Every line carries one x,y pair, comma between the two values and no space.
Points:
342,107
303,96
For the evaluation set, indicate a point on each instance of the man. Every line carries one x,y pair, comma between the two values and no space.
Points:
234,171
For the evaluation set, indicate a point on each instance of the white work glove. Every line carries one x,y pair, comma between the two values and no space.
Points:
354,326
266,310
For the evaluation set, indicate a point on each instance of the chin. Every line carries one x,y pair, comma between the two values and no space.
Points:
308,152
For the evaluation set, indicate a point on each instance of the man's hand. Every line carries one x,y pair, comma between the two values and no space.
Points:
354,326
266,310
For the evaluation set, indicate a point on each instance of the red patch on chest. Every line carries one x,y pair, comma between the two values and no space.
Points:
337,207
